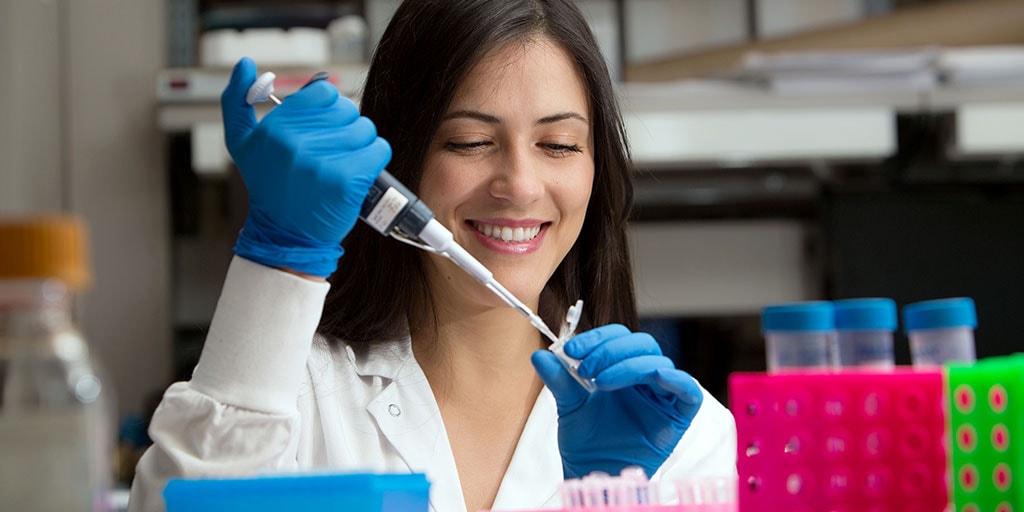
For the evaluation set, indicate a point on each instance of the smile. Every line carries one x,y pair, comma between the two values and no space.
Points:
507,233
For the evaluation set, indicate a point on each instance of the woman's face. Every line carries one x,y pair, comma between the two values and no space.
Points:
510,170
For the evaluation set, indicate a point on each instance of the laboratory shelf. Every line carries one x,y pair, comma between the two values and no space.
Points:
694,123
190,96
988,118
204,85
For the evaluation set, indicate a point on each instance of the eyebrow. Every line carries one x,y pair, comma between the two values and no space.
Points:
489,119
561,117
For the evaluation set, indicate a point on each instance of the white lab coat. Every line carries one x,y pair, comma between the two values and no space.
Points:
264,399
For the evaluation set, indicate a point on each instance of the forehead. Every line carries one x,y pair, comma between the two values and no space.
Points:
533,74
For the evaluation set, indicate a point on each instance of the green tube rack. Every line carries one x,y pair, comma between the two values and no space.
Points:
986,420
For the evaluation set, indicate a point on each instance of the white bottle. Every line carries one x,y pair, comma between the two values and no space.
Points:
864,330
798,336
941,331
56,435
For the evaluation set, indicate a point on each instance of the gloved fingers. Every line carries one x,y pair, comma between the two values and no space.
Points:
238,116
356,135
683,386
569,395
634,371
618,349
582,344
336,124
350,174
321,135
367,161
320,94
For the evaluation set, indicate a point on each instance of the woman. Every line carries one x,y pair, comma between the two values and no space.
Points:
504,123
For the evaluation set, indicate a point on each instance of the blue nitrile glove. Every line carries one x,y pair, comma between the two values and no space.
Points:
307,165
640,410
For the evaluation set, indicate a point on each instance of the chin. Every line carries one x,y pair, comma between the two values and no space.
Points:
525,290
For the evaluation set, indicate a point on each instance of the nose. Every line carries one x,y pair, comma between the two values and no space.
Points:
517,179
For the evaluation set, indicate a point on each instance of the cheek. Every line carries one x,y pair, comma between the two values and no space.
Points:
576,190
440,183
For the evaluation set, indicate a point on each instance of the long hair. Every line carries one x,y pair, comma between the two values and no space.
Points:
423,55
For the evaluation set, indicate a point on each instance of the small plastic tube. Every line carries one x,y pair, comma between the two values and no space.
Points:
711,494
594,487
864,330
568,330
637,485
798,335
941,331
571,494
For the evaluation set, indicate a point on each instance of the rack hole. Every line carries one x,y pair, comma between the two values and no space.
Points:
754,483
753,448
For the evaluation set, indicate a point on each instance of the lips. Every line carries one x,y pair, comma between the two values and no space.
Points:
509,236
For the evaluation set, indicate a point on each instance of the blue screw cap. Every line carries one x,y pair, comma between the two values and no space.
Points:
865,314
798,316
940,314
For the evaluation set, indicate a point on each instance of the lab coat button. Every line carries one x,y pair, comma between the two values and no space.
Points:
394,410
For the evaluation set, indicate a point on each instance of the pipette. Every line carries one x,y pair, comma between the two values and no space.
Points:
395,211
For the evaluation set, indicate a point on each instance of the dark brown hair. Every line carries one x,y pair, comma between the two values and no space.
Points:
423,55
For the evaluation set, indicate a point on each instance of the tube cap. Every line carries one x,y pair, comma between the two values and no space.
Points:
798,316
865,314
44,246
940,314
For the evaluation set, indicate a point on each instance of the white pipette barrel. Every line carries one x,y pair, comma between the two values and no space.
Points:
437,237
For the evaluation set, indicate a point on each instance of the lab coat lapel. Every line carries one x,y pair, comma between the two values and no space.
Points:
535,472
408,417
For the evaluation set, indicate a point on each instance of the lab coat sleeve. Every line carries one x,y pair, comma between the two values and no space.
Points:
238,415
706,450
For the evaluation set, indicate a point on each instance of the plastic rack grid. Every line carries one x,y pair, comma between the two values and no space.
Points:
851,441
985,422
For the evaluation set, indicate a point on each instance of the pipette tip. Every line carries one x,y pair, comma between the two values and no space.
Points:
543,328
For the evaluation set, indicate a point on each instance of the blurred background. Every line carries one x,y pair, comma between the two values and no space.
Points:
785,150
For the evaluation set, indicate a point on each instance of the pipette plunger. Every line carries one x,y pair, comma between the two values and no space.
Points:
262,89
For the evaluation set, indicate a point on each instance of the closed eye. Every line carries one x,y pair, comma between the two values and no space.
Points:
466,147
562,149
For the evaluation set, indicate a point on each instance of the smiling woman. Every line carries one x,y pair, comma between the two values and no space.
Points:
514,156
504,123
473,37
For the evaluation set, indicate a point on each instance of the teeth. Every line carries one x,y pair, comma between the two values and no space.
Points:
507,234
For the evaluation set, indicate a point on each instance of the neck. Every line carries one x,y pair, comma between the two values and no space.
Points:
469,351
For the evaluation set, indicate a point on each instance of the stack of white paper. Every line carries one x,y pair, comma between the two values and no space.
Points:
983,65
843,72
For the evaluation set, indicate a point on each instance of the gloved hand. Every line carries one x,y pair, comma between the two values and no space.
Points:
640,410
307,166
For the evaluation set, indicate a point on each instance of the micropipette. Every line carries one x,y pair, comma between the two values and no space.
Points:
393,210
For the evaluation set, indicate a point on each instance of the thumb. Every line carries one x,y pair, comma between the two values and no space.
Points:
684,387
239,116
569,395
318,94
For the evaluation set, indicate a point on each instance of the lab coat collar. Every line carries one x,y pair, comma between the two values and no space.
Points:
408,417
407,414
535,472
384,359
